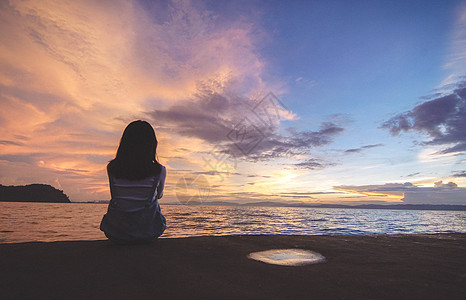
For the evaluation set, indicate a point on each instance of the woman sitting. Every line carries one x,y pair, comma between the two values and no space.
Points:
136,183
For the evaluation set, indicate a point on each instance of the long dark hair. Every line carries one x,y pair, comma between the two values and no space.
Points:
136,155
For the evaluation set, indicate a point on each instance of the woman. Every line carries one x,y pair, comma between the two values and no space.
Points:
136,183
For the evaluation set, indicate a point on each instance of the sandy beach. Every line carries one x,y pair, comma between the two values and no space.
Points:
356,267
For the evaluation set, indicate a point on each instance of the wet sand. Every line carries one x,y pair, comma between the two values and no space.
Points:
356,267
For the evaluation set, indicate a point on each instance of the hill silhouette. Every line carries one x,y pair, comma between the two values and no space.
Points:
32,193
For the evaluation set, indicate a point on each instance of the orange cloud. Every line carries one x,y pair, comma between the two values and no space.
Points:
73,74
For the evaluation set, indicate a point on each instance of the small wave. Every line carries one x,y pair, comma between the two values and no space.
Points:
199,219
48,231
247,223
63,235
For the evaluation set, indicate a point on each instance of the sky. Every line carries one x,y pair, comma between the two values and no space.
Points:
349,102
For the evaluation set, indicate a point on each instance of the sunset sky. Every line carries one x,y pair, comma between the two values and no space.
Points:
296,101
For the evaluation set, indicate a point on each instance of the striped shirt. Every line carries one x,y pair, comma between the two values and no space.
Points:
134,195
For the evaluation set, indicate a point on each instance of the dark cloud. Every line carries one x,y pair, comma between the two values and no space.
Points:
321,137
313,164
443,119
440,184
357,150
232,124
30,159
260,176
274,145
208,118
459,174
430,97
393,188
413,174
6,142
461,147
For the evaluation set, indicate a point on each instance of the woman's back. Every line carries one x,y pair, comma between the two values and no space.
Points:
132,195
137,181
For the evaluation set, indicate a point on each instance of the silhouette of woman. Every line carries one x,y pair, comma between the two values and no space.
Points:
136,181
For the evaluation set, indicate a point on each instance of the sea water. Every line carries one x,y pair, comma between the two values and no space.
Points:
27,222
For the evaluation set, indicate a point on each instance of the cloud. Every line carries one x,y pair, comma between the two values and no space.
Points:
73,74
29,158
313,164
310,193
208,116
215,173
4,142
449,185
441,193
456,60
357,150
308,138
240,127
396,189
443,119
413,174
459,174
293,144
304,82
443,116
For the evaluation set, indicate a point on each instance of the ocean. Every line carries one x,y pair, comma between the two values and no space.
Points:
46,222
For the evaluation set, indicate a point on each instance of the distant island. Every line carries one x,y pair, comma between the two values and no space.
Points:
32,193
315,205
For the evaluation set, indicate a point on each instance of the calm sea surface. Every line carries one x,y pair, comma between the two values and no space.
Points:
26,222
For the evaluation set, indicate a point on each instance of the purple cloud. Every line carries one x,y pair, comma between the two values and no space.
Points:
443,119
230,123
413,174
296,142
459,174
313,164
357,150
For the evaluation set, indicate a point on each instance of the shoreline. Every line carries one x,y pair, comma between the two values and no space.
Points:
170,237
427,266
415,207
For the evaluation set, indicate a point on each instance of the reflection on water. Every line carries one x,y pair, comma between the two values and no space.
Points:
23,222
288,257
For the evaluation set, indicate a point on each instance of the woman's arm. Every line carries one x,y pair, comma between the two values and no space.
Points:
163,175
